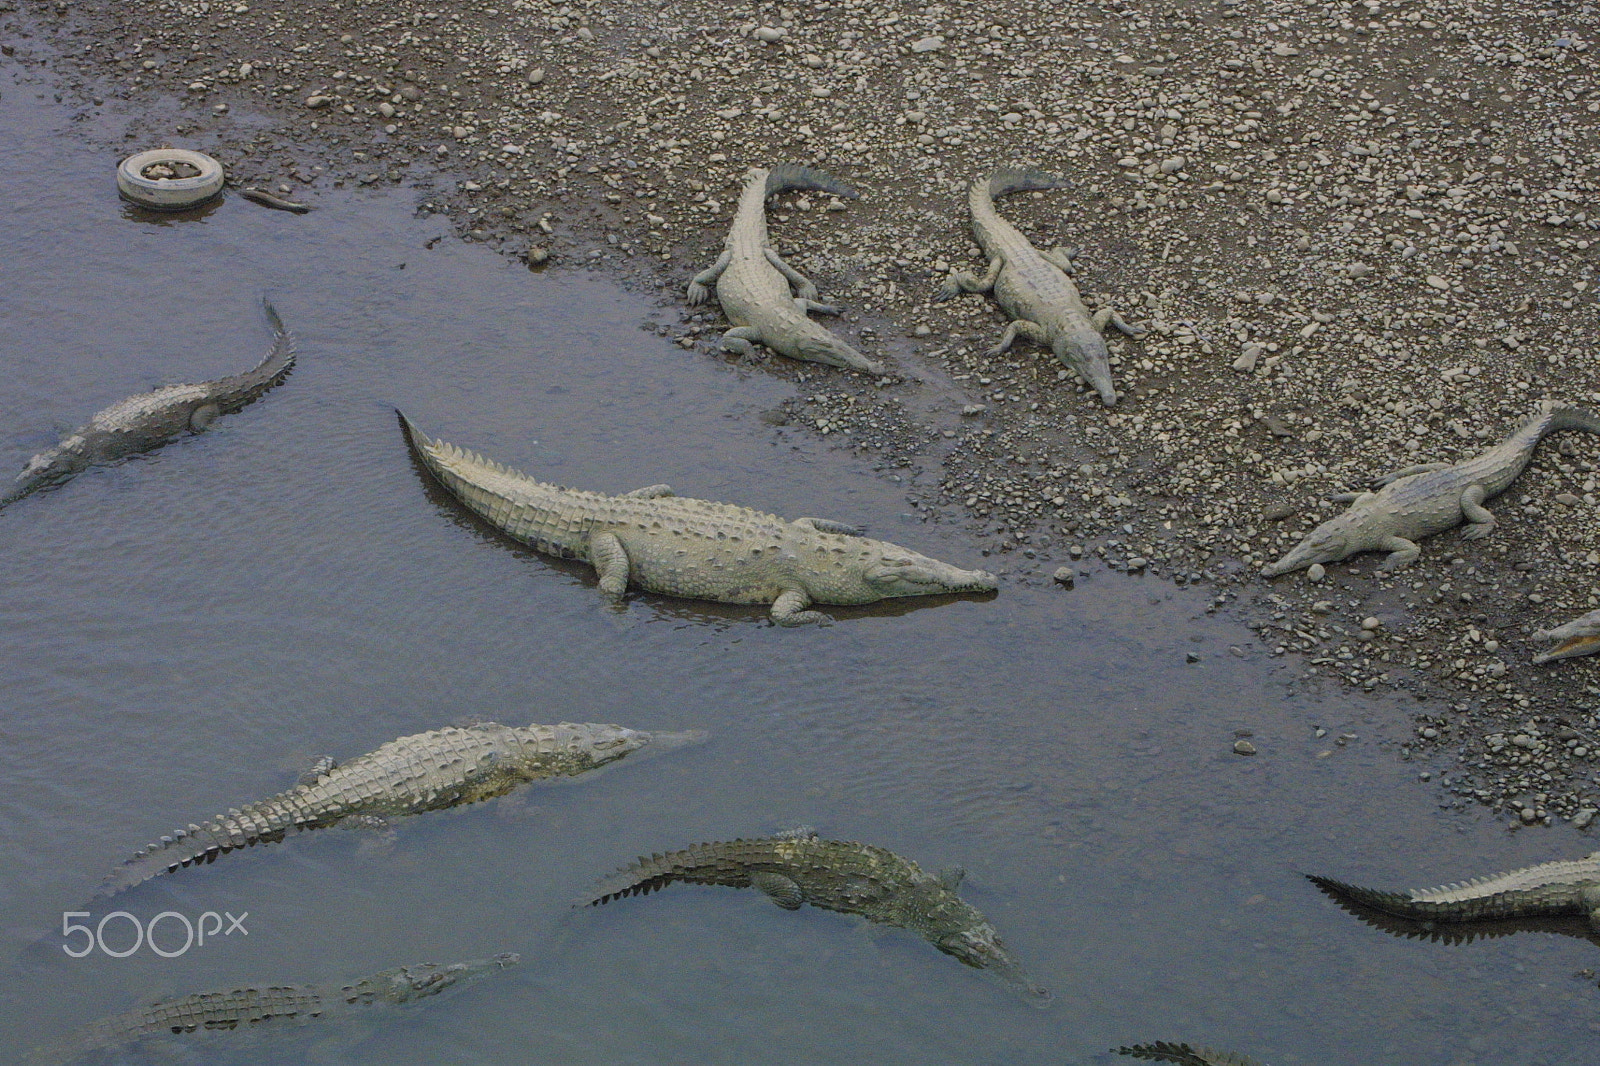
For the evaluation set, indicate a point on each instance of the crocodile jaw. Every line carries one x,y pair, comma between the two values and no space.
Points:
47,468
1327,543
1581,636
834,352
981,948
1086,352
917,575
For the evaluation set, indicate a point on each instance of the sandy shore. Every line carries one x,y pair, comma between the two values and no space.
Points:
1362,237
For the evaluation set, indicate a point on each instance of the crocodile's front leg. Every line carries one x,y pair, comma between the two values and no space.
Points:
812,305
960,281
1402,552
740,339
789,609
804,287
1480,523
610,560
201,417
1420,468
1060,257
1108,317
1021,327
699,288
651,492
783,891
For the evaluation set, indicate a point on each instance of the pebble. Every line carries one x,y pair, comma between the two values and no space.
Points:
770,34
927,44
316,101
1243,747
1064,575
1316,572
1370,623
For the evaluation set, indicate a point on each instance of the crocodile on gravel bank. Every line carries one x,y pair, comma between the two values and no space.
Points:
423,772
837,875
1420,501
1185,1055
696,549
1581,636
1033,286
150,419
753,283
253,1007
1549,890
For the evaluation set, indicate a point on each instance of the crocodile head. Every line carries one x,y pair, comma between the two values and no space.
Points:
1325,544
406,984
47,468
835,352
900,572
1085,351
1581,636
981,948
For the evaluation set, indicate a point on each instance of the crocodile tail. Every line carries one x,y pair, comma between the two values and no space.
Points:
794,176
700,864
258,823
242,389
1397,903
1183,1055
1569,416
1022,179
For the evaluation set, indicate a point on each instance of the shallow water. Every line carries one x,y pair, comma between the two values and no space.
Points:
188,630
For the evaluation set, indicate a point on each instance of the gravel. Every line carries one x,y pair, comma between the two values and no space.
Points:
1363,236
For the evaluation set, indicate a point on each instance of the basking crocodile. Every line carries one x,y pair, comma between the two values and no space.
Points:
1581,636
150,419
1033,286
1420,501
696,549
253,1007
753,283
423,772
1184,1055
1551,889
795,867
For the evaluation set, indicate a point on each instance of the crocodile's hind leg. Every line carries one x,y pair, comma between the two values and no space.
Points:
1060,257
318,770
202,416
739,339
1108,317
699,288
1420,468
828,525
610,560
1402,552
789,609
1022,327
780,889
1480,523
811,305
960,281
651,492
804,287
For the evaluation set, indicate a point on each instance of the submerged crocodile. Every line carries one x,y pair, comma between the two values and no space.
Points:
1420,501
695,549
1549,890
753,283
150,419
253,1007
837,875
1581,636
1184,1055
1034,288
428,771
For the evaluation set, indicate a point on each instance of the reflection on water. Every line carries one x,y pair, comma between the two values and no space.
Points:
195,627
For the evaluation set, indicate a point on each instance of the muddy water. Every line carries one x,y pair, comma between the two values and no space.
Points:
188,630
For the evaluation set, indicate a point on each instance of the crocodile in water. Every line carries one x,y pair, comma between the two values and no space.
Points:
1034,288
695,549
150,419
1549,890
1581,636
837,875
1420,501
253,1007
753,283
1185,1055
423,772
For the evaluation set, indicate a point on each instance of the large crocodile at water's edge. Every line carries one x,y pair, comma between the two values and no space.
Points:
150,419
257,1006
696,549
837,875
753,282
422,772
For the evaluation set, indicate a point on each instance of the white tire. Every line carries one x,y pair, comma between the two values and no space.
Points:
169,179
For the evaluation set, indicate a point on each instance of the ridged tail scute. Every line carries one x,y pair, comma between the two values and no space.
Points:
1023,179
794,176
1184,1055
1569,416
700,864
1397,903
199,844
267,373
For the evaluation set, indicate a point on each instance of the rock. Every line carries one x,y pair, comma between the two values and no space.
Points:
770,34
1316,572
928,44
536,76
1065,576
316,100
1243,747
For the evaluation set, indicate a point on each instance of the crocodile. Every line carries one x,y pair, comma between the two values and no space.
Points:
1185,1055
696,549
1034,287
150,419
796,867
754,283
1548,890
1581,636
255,1006
429,771
1430,498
